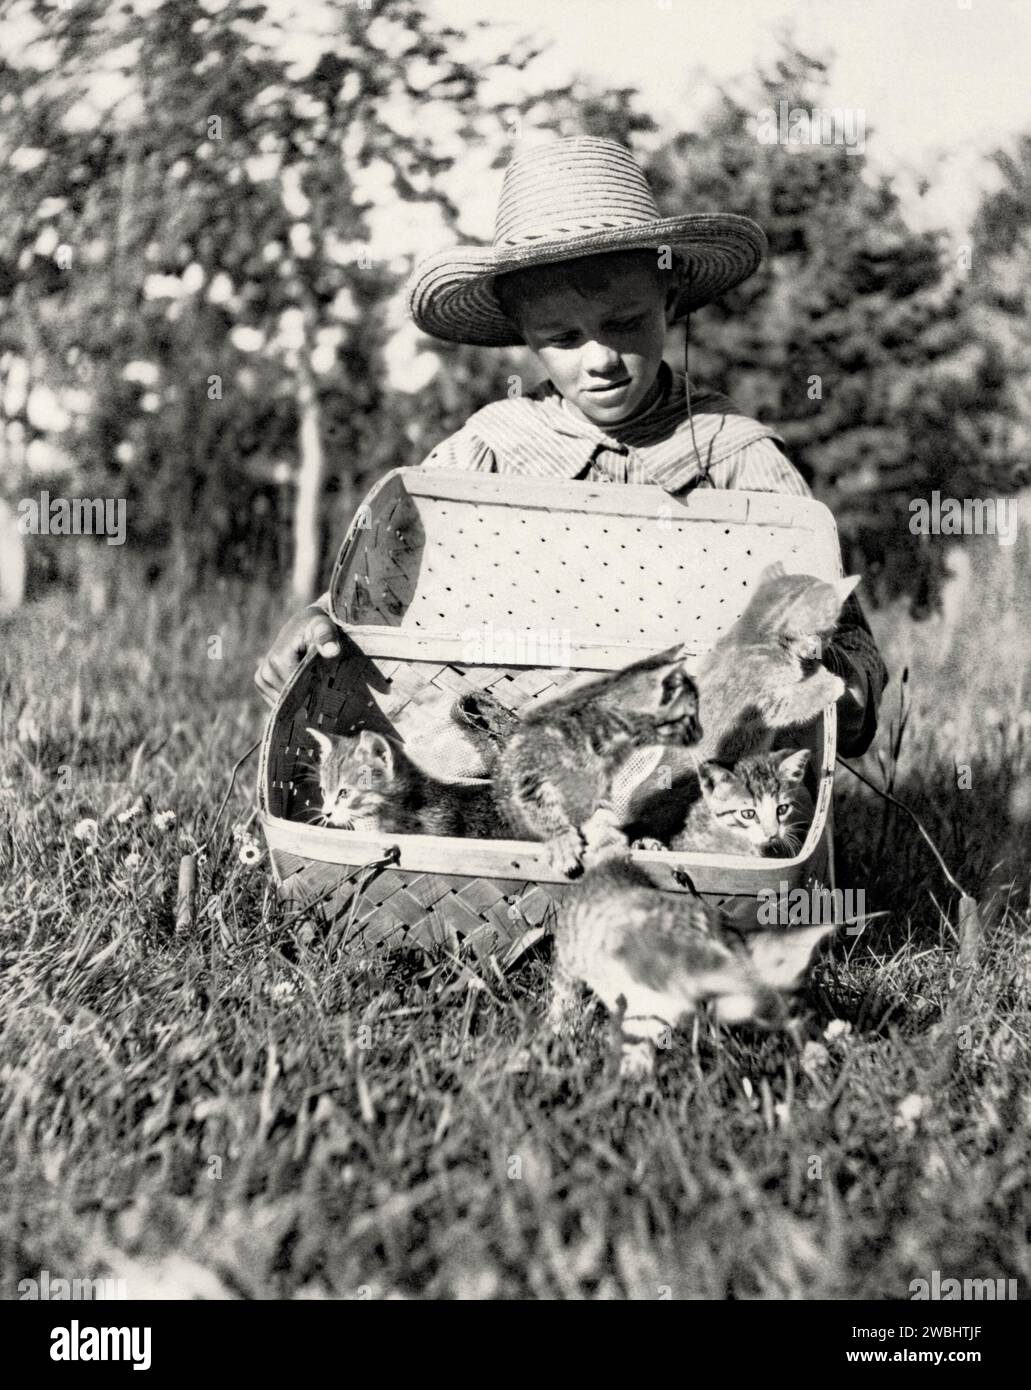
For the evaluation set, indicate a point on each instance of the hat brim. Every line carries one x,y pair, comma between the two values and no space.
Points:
451,295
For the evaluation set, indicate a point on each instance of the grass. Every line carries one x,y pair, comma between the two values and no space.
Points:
236,1110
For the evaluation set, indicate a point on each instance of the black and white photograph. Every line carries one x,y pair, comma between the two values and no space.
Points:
515,665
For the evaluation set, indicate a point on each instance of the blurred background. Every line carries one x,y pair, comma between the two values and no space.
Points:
210,210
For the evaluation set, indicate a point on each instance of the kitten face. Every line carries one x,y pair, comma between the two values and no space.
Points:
778,962
356,777
759,798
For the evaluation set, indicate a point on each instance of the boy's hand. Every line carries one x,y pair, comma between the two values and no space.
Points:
311,627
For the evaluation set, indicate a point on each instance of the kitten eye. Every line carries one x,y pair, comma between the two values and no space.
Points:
748,814
783,812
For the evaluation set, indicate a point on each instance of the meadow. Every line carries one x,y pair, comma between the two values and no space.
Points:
235,1108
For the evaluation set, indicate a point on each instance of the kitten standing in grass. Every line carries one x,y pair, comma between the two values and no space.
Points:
369,783
652,958
758,806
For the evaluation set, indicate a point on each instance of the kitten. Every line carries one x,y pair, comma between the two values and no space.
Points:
765,675
566,774
652,958
370,783
758,806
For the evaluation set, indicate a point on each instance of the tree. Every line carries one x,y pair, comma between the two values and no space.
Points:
214,209
854,340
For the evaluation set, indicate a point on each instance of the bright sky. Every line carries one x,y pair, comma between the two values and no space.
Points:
940,81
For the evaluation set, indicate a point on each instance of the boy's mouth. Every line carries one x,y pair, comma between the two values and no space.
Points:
610,388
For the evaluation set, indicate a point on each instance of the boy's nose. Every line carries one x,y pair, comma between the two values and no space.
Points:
598,357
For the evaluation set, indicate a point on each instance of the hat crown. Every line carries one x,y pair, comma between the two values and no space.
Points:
570,187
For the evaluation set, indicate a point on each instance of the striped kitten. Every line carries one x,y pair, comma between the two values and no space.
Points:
369,782
758,806
765,674
566,773
652,958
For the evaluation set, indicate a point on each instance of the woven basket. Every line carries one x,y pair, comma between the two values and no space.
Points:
451,582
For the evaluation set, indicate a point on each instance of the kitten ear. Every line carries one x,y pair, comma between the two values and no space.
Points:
325,741
781,957
374,748
792,765
843,587
712,775
774,570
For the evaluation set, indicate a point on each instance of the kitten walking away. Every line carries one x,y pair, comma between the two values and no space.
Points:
653,958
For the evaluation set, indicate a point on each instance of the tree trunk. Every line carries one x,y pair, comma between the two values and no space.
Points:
12,561
308,506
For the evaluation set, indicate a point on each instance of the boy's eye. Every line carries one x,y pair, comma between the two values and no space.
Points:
627,323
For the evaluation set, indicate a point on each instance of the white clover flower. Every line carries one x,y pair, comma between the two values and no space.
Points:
910,1110
163,820
85,829
131,812
283,991
133,860
814,1054
837,1028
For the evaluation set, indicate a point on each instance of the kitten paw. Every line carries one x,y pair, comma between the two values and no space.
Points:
637,1060
566,852
650,846
602,830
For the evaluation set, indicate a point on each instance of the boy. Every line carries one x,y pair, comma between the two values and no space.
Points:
586,274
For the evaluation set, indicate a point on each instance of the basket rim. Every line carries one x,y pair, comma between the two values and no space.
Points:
505,859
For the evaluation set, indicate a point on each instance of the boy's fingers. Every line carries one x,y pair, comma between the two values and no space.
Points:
320,631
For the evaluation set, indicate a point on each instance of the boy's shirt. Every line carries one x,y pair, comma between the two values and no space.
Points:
537,434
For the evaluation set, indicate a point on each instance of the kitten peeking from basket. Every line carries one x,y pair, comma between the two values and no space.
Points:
369,783
654,958
760,805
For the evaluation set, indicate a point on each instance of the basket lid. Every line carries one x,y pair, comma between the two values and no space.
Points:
512,571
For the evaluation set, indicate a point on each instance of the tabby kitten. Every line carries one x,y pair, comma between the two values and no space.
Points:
652,958
369,783
758,806
765,675
567,773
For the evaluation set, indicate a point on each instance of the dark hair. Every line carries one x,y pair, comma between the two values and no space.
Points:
584,275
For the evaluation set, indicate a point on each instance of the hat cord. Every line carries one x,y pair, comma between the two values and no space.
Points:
703,468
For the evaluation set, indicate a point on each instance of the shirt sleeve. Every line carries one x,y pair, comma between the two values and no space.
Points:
852,652
464,449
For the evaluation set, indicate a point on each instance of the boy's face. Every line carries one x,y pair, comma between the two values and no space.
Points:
601,350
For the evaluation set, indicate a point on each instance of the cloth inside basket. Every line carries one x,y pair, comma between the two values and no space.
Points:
436,743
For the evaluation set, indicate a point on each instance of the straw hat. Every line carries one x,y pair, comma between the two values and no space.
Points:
576,197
